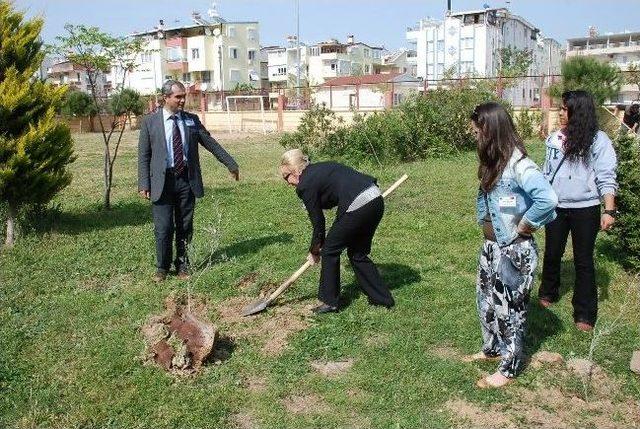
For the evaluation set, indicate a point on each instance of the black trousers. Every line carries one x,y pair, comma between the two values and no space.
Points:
173,213
353,231
584,224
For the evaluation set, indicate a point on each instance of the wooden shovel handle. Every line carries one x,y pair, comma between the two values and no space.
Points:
288,282
307,264
395,185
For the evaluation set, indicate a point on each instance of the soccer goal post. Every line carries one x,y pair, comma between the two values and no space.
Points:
245,97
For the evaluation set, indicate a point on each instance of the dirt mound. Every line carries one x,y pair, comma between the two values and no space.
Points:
179,340
273,327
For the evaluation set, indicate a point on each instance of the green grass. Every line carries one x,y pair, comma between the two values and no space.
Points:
77,287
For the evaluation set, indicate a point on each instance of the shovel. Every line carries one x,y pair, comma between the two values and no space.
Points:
260,304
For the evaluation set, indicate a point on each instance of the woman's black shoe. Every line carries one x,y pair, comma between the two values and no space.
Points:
324,308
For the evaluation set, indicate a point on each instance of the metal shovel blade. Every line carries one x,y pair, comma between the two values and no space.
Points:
255,307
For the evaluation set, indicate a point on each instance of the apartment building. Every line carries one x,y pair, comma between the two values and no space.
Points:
468,44
621,49
320,62
402,61
62,72
210,55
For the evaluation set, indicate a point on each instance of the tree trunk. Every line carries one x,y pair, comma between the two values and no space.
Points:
11,223
107,180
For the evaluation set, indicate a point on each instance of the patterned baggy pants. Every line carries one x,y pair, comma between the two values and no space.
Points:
505,279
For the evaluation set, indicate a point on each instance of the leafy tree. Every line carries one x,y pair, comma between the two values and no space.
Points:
127,102
79,104
632,76
97,52
602,80
35,149
514,63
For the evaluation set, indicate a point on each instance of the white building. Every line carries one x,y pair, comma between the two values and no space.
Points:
211,55
65,73
468,44
367,92
320,62
401,61
621,49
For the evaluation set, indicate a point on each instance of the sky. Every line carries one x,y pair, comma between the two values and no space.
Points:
375,22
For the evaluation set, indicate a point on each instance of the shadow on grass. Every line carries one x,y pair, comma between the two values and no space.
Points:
541,324
93,218
568,278
394,275
242,248
222,350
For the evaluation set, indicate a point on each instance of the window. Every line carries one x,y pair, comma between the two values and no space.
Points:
440,45
174,54
376,54
315,51
430,69
281,71
145,56
195,54
231,31
397,98
466,43
367,69
367,53
251,34
440,69
430,46
206,76
233,53
334,66
234,75
186,77
251,55
466,67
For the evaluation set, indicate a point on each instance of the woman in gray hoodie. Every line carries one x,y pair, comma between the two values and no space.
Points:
581,164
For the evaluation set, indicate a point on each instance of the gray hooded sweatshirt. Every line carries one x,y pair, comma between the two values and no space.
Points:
578,184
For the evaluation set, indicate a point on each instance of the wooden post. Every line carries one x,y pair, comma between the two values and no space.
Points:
330,98
203,108
281,102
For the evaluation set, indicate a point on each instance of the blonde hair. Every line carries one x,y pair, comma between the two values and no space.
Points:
296,159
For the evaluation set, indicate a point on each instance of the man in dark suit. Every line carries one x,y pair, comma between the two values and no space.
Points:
169,174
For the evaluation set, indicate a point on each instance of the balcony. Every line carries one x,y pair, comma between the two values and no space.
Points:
180,65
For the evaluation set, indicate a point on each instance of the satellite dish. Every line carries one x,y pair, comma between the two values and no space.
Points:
207,31
216,31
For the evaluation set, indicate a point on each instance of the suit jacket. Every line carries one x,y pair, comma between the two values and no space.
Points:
152,153
325,185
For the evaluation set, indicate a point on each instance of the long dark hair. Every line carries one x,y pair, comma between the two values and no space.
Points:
582,126
496,142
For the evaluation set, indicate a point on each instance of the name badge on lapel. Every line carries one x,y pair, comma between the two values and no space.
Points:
189,123
509,201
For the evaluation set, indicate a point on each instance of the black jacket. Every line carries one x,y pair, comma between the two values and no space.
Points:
325,185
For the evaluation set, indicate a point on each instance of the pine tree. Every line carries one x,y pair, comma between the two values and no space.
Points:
35,149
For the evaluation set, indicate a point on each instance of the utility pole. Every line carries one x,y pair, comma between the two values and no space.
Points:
298,47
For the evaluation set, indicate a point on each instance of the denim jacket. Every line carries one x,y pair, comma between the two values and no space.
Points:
521,193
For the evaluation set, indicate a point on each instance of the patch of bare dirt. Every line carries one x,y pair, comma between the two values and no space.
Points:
273,326
377,340
332,369
305,404
243,421
446,351
255,384
559,399
181,339
247,281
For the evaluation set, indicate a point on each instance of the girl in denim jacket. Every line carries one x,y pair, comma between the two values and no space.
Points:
514,200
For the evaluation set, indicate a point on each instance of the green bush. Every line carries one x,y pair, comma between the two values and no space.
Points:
431,125
528,122
627,228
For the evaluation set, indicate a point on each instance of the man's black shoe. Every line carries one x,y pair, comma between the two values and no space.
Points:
324,308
